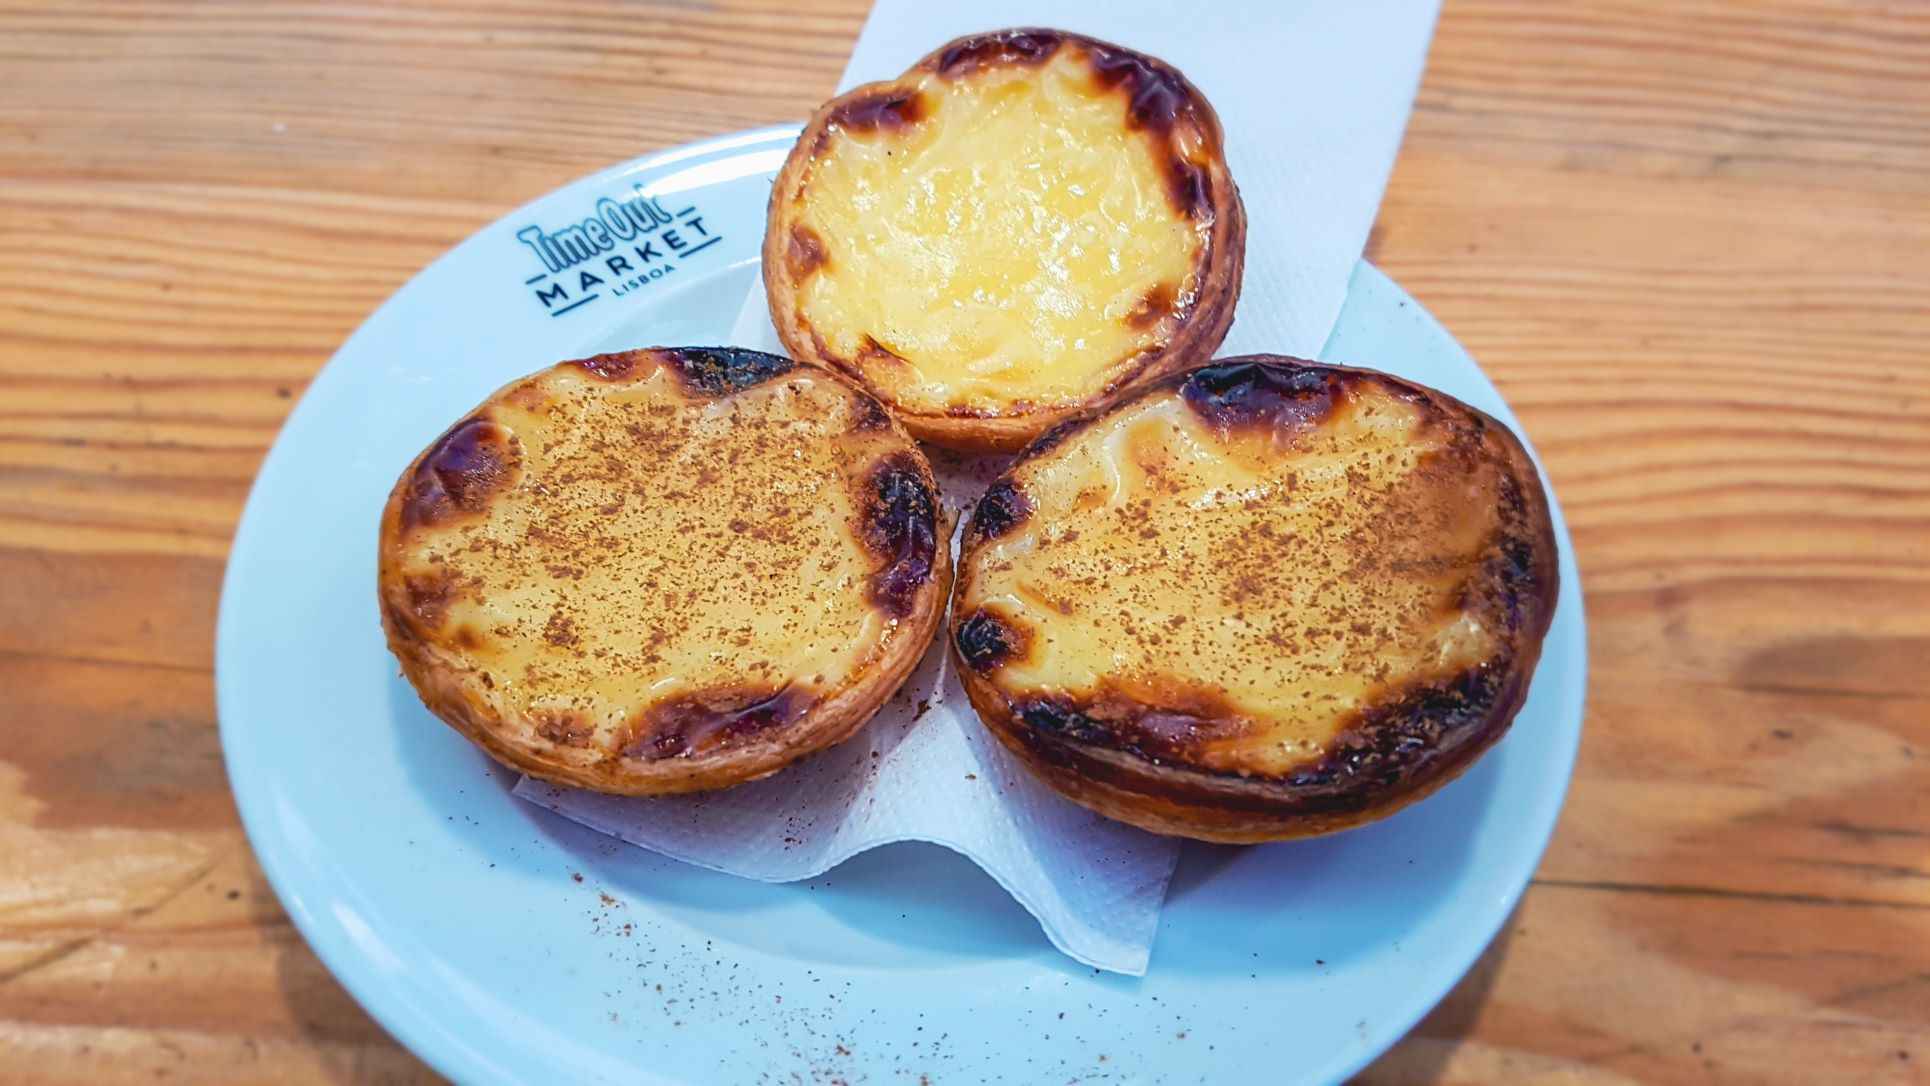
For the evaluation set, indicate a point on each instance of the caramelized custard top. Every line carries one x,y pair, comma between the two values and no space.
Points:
657,552
1017,220
1235,568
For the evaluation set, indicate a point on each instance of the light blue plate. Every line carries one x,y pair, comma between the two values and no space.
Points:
504,944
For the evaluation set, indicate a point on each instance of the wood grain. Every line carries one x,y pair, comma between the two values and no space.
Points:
1690,240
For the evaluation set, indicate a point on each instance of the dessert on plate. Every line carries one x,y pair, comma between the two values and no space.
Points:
1259,600
1024,222
663,570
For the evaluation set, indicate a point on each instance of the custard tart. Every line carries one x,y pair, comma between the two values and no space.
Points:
1261,600
663,570
1024,222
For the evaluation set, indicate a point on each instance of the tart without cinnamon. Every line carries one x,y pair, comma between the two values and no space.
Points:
663,570
1261,600
1024,221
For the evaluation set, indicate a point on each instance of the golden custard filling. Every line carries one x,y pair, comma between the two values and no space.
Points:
1280,575
1015,240
656,545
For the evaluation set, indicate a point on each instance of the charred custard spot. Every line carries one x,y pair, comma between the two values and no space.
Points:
1002,507
460,472
969,55
867,414
1188,188
1156,96
1398,745
881,111
466,637
1062,720
1160,302
1253,392
900,526
1521,573
1512,573
609,367
805,253
985,641
1156,733
720,371
1157,100
1398,741
711,721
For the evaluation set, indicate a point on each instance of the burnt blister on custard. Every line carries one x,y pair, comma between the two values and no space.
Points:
868,415
1156,95
1515,570
1157,98
901,527
985,641
700,723
1002,507
1406,740
1239,393
720,371
473,460
1023,46
1063,720
1177,729
876,111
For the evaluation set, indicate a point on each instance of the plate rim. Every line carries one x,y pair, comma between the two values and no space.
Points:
430,1037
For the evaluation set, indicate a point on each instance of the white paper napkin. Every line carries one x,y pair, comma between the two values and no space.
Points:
1313,96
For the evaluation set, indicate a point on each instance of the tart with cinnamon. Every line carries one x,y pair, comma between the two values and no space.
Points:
1264,599
663,570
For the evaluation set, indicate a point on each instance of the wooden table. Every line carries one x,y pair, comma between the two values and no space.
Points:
1690,241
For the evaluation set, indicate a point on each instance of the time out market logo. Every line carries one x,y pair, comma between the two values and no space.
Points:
627,244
